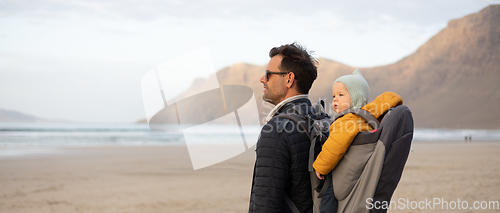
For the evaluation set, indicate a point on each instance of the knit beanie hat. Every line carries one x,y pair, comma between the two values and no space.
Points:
357,87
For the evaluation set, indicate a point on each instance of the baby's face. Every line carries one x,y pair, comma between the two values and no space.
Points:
341,98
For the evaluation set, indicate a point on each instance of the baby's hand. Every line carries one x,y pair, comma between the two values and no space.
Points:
320,176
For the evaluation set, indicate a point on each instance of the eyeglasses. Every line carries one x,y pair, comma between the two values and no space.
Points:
266,74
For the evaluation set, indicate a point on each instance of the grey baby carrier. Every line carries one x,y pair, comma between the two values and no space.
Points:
369,172
367,175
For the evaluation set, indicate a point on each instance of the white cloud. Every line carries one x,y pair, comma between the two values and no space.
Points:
46,37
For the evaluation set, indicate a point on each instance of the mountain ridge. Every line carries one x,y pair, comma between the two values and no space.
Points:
448,82
16,116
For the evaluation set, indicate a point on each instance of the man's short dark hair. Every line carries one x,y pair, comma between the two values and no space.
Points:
297,59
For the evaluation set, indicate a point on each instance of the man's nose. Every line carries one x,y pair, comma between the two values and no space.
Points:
263,79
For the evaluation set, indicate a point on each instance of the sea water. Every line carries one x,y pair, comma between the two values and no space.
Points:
110,134
120,134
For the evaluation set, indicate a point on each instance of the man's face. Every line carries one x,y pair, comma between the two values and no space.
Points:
275,89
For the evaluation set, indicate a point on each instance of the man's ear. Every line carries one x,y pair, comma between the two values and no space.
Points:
290,79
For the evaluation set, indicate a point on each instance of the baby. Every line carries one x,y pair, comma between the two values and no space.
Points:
350,92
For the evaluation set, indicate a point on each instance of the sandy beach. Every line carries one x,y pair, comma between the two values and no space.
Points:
161,179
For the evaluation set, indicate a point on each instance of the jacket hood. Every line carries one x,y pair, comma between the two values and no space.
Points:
382,103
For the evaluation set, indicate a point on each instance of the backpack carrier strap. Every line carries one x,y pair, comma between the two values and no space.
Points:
290,203
300,120
367,116
319,108
321,188
313,127
294,117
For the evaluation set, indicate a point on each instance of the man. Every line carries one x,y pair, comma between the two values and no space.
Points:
281,172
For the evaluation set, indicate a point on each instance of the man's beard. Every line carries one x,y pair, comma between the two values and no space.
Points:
274,97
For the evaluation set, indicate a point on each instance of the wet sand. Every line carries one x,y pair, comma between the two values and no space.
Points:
161,179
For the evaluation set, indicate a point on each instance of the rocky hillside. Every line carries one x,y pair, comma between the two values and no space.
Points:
13,116
451,81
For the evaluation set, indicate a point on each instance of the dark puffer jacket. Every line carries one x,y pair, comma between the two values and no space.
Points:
281,165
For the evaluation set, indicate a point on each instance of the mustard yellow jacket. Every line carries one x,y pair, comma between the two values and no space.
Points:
344,130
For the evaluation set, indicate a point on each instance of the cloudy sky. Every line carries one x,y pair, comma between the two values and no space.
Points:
84,60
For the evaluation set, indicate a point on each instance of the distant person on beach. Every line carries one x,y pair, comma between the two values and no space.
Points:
281,168
349,92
